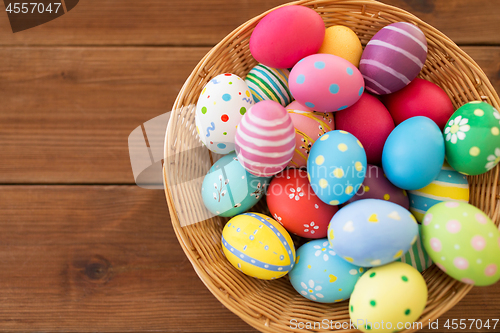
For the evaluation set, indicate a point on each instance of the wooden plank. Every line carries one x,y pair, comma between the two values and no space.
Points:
199,22
93,258
105,258
67,112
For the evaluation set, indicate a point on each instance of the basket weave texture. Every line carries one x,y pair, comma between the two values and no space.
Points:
270,305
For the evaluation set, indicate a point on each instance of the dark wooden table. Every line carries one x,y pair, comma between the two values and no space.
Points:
81,247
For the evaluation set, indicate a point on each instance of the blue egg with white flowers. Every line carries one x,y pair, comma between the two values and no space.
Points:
336,167
228,189
321,275
413,153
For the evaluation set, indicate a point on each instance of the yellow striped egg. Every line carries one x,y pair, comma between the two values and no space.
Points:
258,246
309,126
448,186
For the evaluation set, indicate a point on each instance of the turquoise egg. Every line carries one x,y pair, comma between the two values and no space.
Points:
336,167
322,276
372,232
413,153
228,189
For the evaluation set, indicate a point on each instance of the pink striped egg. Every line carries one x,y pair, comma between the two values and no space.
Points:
393,58
265,139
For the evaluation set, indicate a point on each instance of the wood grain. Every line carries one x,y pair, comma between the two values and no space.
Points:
105,258
199,22
67,111
93,258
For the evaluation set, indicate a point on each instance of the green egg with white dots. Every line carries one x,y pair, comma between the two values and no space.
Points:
472,138
386,298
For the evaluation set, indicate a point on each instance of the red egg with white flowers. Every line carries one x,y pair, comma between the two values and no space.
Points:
293,203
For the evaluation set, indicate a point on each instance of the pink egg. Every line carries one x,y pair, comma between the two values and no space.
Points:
309,126
326,83
393,58
265,139
377,186
370,122
286,35
298,106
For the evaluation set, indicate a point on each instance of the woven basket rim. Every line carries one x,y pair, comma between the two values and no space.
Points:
264,325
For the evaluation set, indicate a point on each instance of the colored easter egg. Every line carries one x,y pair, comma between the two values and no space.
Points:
286,35
343,42
448,186
393,58
265,139
419,98
326,83
463,242
377,186
322,276
293,203
413,153
228,189
472,138
417,256
389,298
298,106
370,122
258,246
336,167
309,126
219,109
269,84
372,232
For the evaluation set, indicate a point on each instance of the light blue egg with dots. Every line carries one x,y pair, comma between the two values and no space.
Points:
321,275
372,232
228,189
336,166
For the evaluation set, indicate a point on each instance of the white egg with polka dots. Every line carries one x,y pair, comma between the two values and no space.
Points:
222,103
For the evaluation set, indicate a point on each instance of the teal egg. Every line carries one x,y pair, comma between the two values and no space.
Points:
413,153
228,189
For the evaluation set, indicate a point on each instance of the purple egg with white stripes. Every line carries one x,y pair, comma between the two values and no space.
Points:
393,58
265,139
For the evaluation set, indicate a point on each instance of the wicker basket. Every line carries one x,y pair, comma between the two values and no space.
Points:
270,305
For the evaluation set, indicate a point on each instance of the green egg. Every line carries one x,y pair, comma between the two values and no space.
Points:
472,138
463,242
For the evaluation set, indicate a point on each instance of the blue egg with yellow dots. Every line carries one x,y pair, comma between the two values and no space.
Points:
336,166
321,275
